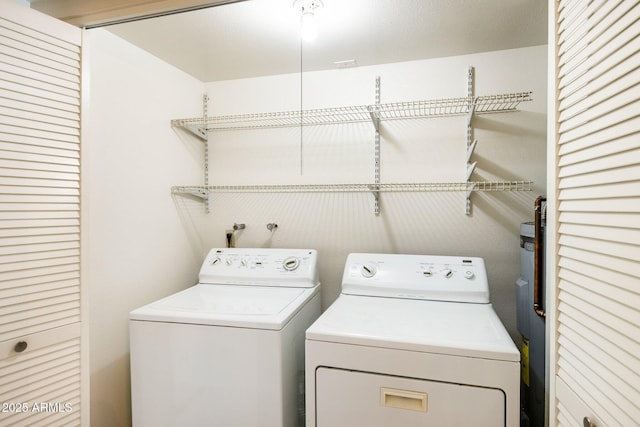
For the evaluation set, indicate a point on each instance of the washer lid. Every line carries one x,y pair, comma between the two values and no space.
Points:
460,329
257,307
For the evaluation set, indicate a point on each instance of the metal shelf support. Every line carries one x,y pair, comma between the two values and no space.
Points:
196,130
471,144
205,140
376,166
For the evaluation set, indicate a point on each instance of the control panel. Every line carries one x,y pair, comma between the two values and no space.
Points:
259,266
429,277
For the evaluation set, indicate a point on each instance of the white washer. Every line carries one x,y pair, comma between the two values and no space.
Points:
229,351
411,341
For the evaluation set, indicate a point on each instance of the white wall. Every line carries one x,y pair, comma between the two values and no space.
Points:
511,147
139,249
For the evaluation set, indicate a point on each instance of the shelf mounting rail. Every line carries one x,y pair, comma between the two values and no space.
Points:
376,174
471,143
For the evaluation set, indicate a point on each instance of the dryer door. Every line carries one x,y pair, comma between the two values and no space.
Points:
352,399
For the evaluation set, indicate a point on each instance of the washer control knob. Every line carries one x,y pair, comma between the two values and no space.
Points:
229,261
291,263
469,274
243,262
427,273
447,273
368,270
215,261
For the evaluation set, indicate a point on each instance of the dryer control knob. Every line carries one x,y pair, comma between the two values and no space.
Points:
447,273
368,270
291,263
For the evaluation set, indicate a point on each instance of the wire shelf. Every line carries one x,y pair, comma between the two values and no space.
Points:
202,191
361,113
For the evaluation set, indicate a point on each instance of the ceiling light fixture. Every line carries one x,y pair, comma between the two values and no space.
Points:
309,27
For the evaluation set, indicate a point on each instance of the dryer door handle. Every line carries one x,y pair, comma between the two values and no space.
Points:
403,399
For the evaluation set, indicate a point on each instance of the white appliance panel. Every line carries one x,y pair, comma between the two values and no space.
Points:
429,277
256,266
461,329
348,398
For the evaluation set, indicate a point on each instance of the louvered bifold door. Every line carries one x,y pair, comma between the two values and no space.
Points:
598,213
39,219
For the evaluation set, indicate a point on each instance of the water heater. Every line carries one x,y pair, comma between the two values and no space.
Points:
531,317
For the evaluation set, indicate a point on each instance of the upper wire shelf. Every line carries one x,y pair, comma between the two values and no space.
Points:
361,113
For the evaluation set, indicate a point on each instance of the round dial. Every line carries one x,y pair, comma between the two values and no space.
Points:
215,261
447,273
291,263
469,274
368,270
229,261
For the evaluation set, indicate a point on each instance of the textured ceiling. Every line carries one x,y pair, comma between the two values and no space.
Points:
261,37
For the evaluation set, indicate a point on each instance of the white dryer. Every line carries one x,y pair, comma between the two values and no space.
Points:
411,341
229,351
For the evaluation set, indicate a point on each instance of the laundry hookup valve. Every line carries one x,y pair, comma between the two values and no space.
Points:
230,234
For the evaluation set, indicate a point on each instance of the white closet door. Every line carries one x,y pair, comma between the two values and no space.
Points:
596,362
40,323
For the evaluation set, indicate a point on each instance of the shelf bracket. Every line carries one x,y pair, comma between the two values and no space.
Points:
375,119
195,130
470,168
196,192
470,149
471,143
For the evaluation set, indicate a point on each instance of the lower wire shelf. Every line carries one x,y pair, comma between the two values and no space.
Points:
203,191
469,187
